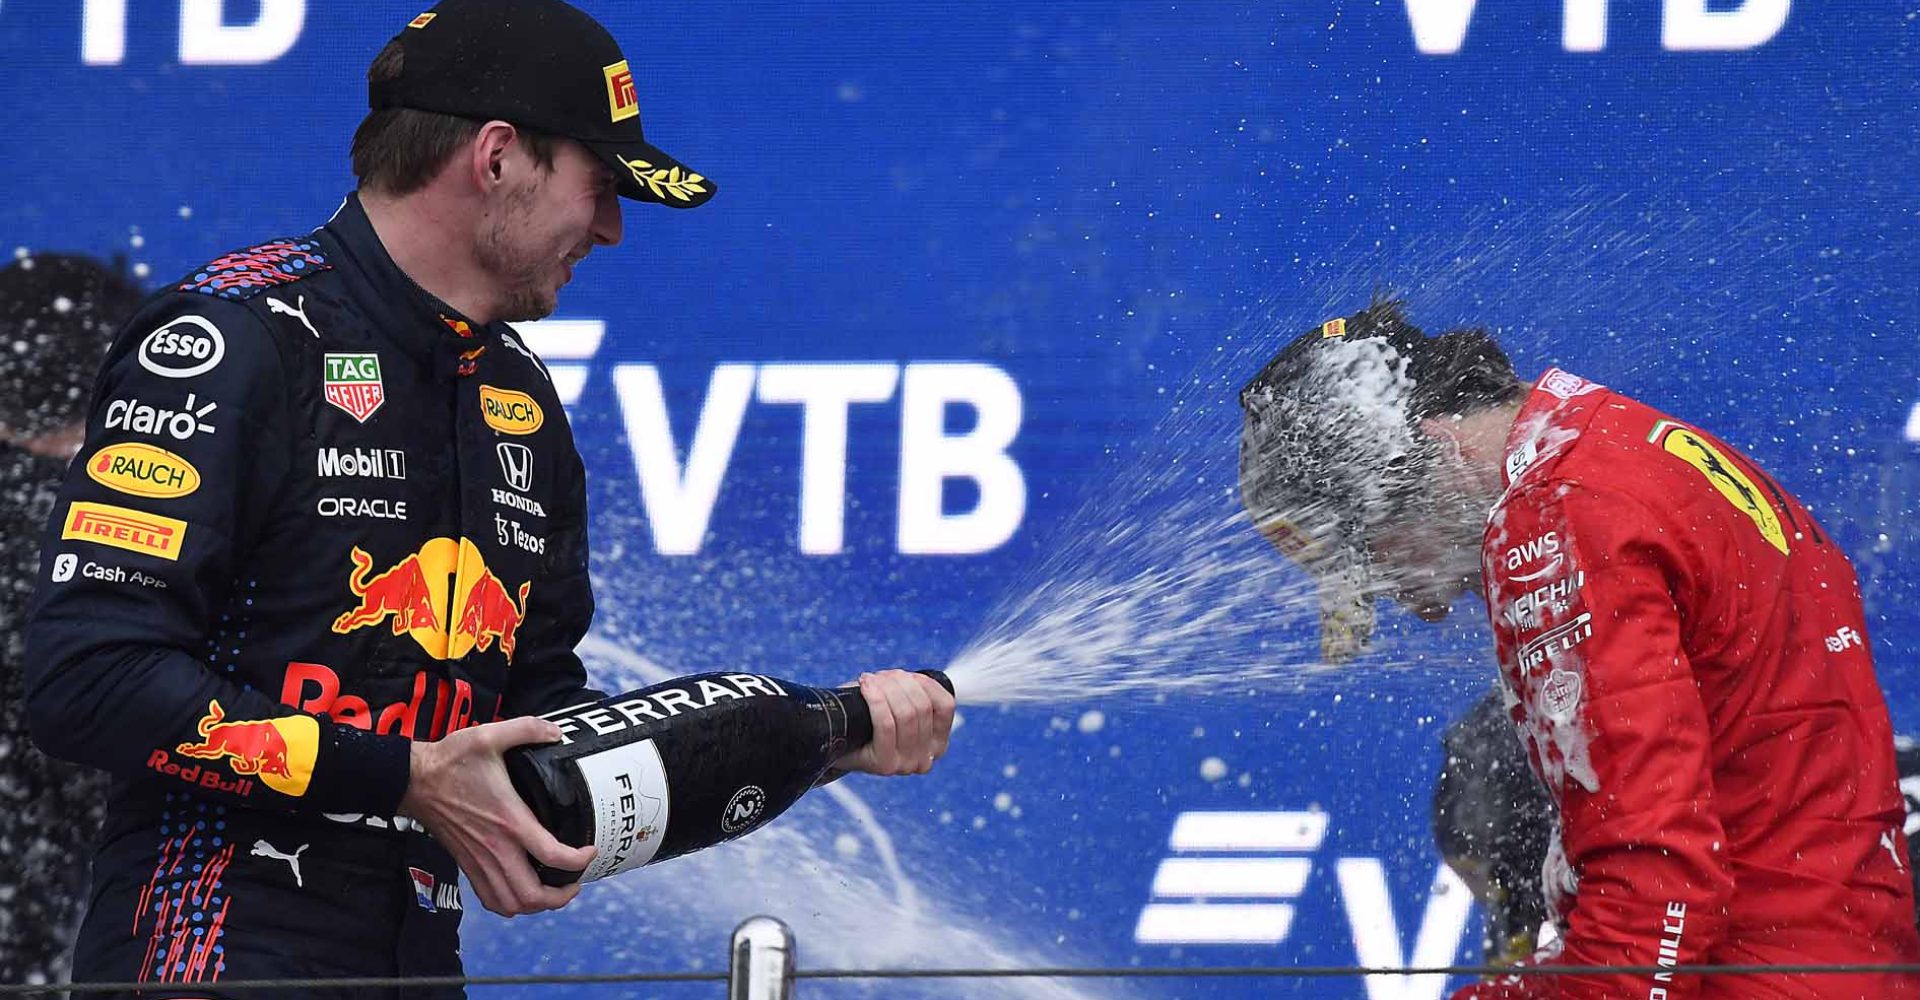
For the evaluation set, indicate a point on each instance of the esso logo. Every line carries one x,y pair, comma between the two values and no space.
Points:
186,347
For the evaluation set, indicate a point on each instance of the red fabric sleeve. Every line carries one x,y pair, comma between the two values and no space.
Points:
1581,584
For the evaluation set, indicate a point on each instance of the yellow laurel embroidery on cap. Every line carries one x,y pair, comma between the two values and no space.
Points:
666,182
1334,328
423,20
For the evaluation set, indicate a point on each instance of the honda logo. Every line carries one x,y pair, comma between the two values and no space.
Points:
516,463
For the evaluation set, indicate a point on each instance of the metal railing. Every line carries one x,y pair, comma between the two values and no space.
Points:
762,965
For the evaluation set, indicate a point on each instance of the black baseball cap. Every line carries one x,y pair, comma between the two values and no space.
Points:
1328,454
542,64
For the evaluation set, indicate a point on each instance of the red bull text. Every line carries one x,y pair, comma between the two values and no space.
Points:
315,688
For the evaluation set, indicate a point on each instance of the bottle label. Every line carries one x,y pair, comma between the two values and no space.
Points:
628,788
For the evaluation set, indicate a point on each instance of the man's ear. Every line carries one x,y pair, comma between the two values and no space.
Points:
486,155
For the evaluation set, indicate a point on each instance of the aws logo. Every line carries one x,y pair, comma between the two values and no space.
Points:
510,411
1725,476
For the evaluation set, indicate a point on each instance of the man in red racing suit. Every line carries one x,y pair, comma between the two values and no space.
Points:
1683,651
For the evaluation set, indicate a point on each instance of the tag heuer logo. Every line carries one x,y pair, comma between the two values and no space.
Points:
353,384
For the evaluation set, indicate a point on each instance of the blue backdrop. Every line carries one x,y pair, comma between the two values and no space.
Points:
1084,223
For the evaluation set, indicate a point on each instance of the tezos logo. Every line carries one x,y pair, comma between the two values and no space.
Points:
743,809
510,411
186,347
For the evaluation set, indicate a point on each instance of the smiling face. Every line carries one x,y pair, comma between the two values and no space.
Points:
541,223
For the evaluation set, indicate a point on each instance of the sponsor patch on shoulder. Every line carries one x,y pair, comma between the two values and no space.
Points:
125,528
1726,476
143,470
183,347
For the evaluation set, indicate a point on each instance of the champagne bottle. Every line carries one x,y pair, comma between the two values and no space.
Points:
683,765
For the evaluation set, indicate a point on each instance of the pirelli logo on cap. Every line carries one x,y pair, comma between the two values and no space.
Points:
622,102
422,21
133,530
1333,328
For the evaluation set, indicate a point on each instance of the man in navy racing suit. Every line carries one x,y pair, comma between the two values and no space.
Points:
324,555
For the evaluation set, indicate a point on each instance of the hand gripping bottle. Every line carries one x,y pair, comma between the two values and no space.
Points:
673,768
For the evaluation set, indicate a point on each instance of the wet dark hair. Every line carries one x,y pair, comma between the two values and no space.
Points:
1456,372
396,151
1331,441
58,313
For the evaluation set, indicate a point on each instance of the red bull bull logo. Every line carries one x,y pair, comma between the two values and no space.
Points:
280,752
401,593
443,595
490,613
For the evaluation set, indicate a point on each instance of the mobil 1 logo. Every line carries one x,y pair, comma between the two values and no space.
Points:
183,348
362,463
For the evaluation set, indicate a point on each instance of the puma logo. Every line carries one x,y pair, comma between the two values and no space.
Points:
276,306
262,849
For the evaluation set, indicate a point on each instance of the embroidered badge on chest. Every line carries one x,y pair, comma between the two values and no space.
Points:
353,384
